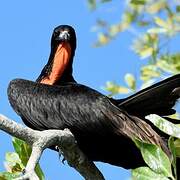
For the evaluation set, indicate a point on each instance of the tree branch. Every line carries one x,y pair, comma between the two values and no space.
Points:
40,140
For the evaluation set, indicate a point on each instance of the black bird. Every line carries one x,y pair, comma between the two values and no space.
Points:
103,127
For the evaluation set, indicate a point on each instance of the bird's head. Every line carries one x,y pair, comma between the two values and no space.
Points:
63,34
63,45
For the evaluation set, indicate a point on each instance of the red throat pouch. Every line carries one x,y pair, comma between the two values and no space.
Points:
60,62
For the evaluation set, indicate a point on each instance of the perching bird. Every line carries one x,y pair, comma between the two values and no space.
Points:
103,127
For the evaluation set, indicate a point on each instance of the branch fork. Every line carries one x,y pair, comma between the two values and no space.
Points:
40,140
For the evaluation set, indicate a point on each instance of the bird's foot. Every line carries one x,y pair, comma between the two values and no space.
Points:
60,154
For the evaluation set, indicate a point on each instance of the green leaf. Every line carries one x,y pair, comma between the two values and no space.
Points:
166,66
17,145
178,8
156,7
13,163
17,168
172,148
146,52
164,125
116,89
138,2
102,39
12,157
170,63
114,29
146,45
127,18
177,147
39,172
105,1
92,4
155,158
160,22
157,30
130,81
143,23
145,173
149,72
8,176
24,152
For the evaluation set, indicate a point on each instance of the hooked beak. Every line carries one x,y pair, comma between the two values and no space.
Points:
63,36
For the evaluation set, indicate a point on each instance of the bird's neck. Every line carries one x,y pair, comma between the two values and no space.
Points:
66,76
58,71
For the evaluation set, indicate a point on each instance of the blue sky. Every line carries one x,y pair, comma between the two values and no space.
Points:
25,32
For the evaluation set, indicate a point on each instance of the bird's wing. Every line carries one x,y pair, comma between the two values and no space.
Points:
158,98
58,107
77,107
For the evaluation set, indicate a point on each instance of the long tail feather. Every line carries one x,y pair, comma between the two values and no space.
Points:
157,99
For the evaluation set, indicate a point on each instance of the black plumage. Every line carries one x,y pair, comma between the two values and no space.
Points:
103,127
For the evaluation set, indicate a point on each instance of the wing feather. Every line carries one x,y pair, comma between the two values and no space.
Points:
83,110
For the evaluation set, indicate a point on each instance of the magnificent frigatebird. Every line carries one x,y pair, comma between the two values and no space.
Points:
103,127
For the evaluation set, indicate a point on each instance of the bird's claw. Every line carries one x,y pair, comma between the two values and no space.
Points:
63,161
60,154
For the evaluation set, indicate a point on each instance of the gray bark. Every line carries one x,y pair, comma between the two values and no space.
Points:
40,140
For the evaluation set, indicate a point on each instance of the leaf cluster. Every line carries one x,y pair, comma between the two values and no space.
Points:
160,166
15,162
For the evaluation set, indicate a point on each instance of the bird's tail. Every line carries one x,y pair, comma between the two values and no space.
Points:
156,99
